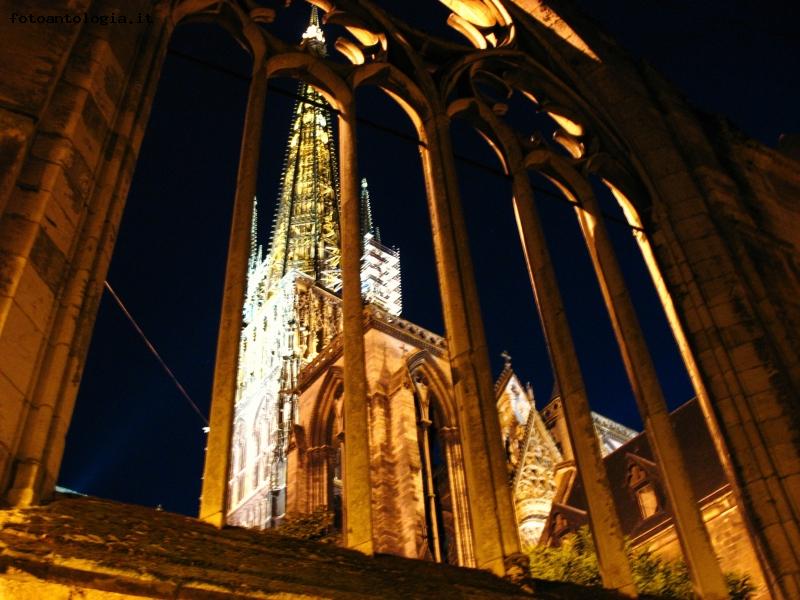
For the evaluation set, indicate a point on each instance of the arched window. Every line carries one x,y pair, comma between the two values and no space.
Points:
237,464
439,529
644,490
334,472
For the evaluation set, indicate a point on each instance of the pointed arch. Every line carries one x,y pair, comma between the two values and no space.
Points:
424,362
324,405
315,72
230,17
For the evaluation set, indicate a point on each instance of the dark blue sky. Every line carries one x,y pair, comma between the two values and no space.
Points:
134,438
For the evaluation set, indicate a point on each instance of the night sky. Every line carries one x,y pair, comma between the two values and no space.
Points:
135,438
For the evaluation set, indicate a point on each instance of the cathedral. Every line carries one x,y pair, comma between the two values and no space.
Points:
324,397
288,424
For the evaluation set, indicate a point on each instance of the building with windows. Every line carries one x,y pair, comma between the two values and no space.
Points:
642,504
288,424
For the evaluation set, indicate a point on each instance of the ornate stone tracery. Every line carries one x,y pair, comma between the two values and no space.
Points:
613,121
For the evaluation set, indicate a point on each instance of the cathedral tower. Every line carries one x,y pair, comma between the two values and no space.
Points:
292,310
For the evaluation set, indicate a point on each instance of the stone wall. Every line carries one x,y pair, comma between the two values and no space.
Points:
720,213
729,538
73,119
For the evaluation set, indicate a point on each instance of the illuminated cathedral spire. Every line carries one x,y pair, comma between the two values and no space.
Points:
366,213
255,247
380,265
305,234
290,314
313,38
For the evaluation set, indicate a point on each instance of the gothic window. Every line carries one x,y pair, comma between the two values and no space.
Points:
644,490
648,500
239,460
439,520
334,473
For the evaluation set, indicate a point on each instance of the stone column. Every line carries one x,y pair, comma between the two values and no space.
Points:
455,469
495,535
606,529
427,486
55,386
213,501
707,578
357,500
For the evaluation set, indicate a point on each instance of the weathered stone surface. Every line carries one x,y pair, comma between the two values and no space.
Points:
721,211
105,549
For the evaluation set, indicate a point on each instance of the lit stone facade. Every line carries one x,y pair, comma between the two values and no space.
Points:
534,450
288,429
715,215
645,511
291,311
283,333
419,502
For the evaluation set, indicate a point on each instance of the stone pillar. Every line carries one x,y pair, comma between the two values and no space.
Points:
707,579
494,529
54,383
357,494
455,469
606,529
427,485
213,501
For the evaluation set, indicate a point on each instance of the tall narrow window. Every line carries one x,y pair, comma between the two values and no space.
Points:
644,490
334,483
648,500
439,522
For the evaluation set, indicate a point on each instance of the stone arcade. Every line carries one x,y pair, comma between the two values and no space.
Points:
715,216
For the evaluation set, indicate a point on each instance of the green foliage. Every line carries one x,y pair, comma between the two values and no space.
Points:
316,526
576,561
740,586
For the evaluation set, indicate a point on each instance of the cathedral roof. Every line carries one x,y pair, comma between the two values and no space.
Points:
705,472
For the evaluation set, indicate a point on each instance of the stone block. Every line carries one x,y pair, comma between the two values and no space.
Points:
765,406
15,233
15,134
49,262
9,264
20,343
61,218
35,298
697,227
787,465
764,505
12,402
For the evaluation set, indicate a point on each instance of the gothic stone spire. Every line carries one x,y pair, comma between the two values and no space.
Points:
305,235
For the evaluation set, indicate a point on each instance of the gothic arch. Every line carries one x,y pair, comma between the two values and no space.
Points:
398,86
324,406
693,537
422,362
229,16
316,73
682,169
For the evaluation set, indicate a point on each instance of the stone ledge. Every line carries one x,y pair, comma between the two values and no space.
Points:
102,549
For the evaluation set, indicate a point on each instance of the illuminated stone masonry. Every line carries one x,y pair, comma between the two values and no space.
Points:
534,449
287,441
292,310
